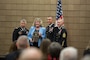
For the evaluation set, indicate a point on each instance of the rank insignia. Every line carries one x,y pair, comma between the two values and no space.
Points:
64,35
19,32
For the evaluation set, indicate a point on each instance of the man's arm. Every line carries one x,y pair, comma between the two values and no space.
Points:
15,35
64,38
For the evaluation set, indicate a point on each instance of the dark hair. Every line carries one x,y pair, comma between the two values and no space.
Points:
86,52
44,47
13,47
18,52
54,49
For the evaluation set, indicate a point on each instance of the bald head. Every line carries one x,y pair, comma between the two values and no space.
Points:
31,54
69,53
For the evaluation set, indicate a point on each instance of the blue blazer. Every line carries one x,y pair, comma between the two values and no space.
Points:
42,31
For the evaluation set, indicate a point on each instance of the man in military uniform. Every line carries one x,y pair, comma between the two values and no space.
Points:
60,33
49,28
22,30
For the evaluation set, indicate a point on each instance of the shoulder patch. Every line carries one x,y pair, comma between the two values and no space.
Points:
64,35
16,27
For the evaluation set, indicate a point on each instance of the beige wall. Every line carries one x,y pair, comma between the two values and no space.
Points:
76,15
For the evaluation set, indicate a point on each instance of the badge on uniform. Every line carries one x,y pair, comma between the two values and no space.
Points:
19,32
51,29
64,35
59,32
27,32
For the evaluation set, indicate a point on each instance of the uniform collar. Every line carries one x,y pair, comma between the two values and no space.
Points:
22,28
50,24
60,27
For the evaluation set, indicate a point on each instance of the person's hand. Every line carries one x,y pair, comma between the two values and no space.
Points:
51,29
40,34
31,40
19,32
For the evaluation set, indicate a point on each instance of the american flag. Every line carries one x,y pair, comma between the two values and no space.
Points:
59,13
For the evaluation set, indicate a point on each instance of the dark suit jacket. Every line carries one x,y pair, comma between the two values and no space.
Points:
13,55
60,36
49,34
18,32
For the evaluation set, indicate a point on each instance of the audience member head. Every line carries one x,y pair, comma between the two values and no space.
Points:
31,54
86,54
13,47
86,57
50,20
44,47
69,53
86,51
37,22
23,23
22,42
54,49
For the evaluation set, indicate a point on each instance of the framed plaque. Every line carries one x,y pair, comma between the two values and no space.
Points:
35,36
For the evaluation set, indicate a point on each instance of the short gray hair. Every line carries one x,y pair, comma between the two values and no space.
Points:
23,20
31,52
22,38
69,52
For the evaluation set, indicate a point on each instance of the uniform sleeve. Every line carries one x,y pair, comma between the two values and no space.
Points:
55,30
15,35
64,38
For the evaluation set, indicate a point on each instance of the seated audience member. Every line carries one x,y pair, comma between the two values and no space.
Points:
13,47
86,54
54,50
21,44
87,57
69,53
31,54
44,47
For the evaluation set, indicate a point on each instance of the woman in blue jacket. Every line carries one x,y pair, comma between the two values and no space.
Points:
36,33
